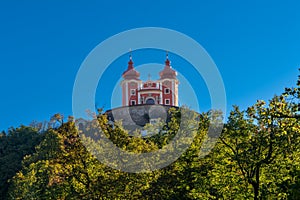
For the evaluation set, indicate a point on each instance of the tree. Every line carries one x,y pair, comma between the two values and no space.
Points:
186,178
61,168
259,146
14,146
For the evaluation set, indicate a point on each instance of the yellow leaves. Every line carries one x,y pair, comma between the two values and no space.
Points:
296,129
269,121
260,103
284,132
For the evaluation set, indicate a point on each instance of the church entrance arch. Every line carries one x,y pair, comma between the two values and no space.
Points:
150,101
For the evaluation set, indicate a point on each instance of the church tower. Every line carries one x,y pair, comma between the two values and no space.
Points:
168,80
130,85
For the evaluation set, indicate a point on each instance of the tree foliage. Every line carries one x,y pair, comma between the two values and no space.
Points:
14,146
257,156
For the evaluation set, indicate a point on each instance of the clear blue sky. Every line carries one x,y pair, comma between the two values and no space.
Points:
255,44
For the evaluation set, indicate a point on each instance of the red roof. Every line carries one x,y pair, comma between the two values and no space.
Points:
131,73
168,72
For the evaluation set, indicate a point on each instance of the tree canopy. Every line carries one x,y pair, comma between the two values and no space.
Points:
257,156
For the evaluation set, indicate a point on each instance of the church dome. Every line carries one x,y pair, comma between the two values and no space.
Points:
131,73
168,72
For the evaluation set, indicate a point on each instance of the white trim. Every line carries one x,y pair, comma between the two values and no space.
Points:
168,79
150,91
126,94
131,80
173,90
160,100
176,93
150,98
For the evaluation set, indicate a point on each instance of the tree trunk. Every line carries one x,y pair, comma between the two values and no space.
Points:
256,189
256,183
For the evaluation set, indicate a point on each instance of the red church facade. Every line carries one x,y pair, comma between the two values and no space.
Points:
137,92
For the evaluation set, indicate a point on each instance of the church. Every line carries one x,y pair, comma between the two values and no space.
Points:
161,92
148,101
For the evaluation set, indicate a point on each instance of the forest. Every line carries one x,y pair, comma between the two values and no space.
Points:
257,156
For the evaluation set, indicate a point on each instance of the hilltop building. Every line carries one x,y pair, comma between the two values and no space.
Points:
137,92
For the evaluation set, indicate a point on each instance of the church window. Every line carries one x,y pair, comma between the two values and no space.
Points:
167,101
167,90
132,91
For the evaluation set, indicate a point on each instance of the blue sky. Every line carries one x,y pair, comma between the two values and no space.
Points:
255,45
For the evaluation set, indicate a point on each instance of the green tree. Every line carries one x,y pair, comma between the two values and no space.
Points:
258,148
14,145
186,177
60,169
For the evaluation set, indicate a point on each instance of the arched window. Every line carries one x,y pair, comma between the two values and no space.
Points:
150,101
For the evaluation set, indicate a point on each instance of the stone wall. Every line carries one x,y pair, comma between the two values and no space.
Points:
139,115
